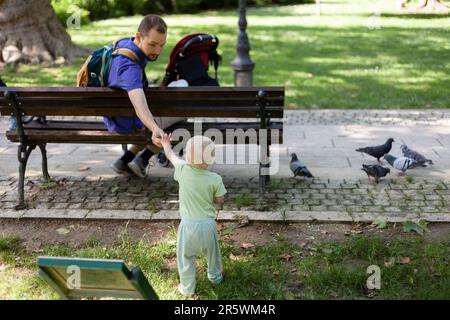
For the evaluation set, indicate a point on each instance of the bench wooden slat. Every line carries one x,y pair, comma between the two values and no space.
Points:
101,93
173,111
209,102
96,133
97,125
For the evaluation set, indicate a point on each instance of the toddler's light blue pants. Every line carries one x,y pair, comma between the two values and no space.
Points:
197,237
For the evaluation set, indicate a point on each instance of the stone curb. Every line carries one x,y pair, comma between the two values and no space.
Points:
272,216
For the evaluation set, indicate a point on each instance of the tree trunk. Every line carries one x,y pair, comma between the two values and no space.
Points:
30,32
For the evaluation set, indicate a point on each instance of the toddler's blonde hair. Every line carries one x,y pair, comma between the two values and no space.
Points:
200,151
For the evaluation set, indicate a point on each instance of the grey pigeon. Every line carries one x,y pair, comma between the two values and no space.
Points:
299,168
378,151
409,153
402,163
375,170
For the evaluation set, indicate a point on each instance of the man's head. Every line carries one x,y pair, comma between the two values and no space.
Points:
200,152
151,36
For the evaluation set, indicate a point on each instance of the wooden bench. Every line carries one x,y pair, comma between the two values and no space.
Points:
255,107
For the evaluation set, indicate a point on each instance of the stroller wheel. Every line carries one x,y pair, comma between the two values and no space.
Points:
162,160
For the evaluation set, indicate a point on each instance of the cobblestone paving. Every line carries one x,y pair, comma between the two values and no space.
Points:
367,117
96,194
409,199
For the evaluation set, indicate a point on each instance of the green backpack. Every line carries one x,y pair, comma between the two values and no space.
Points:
95,70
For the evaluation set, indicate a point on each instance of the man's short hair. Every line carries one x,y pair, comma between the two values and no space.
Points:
150,22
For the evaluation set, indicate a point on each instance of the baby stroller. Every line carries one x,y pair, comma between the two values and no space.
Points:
190,60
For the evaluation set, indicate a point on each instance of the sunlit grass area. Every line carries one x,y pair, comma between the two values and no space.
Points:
410,268
356,54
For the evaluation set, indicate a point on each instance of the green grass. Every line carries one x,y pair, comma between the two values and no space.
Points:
328,61
244,200
277,270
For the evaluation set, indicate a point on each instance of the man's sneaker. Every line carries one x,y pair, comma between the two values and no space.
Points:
162,160
138,167
120,167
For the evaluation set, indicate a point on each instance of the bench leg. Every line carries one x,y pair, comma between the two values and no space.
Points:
264,180
262,185
23,154
44,162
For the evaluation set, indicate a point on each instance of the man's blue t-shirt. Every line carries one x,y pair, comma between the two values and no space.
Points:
125,74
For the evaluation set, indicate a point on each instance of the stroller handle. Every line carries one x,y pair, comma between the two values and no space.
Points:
199,39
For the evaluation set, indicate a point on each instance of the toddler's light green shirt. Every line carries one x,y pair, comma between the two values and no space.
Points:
198,188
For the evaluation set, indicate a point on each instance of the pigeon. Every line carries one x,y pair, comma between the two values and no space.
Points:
299,168
378,151
402,163
376,171
421,160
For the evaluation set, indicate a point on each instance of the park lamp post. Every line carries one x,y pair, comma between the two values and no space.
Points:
243,66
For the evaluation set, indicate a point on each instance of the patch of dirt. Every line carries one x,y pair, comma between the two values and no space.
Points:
37,233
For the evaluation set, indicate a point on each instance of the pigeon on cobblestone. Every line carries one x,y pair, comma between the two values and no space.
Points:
378,151
376,171
299,168
421,160
402,163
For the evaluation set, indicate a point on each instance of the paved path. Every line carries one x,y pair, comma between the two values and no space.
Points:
325,140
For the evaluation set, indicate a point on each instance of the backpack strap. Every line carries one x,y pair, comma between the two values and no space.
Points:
127,53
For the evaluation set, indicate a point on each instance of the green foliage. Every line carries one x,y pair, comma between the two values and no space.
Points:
380,224
66,8
410,269
244,200
103,9
419,227
329,61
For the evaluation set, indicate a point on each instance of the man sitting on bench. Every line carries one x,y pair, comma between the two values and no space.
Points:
129,75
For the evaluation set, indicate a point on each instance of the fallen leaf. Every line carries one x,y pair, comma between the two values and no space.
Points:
235,258
85,168
302,244
405,260
334,294
372,293
247,245
276,273
323,231
390,262
357,231
62,231
380,224
293,270
226,237
242,221
312,249
220,226
286,257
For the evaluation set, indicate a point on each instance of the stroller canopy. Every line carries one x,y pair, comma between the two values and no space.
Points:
190,59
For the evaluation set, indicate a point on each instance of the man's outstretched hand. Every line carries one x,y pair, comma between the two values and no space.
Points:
157,136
